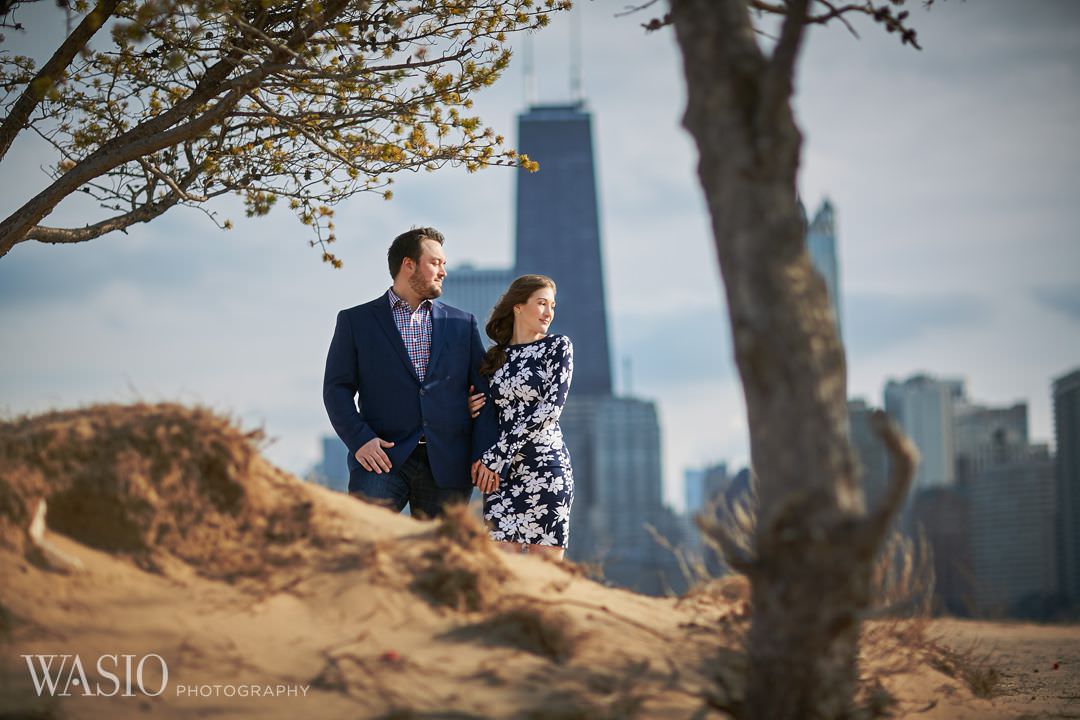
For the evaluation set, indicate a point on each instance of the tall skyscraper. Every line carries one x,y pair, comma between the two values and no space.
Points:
870,451
476,290
821,244
923,407
1066,390
984,436
333,470
558,233
693,489
614,442
942,517
616,471
993,469
1012,535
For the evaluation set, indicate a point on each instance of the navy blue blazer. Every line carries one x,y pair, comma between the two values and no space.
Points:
371,389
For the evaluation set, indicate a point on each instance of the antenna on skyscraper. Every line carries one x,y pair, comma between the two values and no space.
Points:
576,92
530,74
628,383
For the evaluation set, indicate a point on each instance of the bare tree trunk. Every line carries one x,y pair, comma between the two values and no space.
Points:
814,545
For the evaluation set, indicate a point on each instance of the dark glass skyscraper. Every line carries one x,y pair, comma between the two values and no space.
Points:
1067,435
558,233
614,441
821,243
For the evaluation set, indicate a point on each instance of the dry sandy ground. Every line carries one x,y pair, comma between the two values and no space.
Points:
169,534
1039,665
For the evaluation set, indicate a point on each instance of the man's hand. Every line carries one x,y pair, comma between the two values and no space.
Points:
476,402
371,456
484,479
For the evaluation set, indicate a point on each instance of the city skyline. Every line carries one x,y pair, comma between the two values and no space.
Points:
950,170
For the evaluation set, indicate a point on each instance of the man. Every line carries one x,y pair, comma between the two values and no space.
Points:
411,362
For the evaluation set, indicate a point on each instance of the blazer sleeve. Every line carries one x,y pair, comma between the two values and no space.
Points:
485,429
340,385
557,372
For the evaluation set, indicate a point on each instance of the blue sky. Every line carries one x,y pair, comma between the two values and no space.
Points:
955,174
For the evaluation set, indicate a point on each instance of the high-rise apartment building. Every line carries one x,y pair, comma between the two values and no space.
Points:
923,407
1012,511
985,436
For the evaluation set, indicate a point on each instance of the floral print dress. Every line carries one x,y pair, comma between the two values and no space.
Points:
532,502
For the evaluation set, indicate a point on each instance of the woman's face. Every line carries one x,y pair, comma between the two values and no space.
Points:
534,316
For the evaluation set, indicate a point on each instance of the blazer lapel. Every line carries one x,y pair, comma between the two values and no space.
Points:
386,320
438,332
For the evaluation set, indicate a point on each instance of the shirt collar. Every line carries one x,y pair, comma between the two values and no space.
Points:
396,301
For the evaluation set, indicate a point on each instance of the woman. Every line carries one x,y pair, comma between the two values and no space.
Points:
526,475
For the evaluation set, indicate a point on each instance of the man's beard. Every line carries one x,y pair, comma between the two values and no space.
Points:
425,290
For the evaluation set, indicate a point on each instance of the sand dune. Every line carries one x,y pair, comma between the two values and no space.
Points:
170,538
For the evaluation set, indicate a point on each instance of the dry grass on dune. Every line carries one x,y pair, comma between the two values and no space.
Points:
192,545
896,638
151,482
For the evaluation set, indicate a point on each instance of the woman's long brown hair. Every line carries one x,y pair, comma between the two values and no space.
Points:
500,326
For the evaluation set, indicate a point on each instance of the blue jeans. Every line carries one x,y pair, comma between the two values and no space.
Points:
410,484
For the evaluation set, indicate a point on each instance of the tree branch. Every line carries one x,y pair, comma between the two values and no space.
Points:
146,138
834,12
51,72
179,189
904,457
779,80
145,213
880,14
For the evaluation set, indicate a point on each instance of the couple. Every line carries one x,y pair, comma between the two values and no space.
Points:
399,375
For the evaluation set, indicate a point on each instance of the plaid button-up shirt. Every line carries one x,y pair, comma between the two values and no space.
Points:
415,329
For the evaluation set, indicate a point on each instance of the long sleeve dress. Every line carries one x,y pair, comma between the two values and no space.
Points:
532,502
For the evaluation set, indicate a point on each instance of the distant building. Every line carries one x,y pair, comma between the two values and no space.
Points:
693,490
558,233
821,244
716,481
985,436
1066,391
333,470
870,452
704,487
476,290
941,517
923,408
614,444
1013,519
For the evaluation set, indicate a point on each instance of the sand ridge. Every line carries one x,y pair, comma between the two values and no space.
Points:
192,547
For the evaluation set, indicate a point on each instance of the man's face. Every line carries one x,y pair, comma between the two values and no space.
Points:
427,278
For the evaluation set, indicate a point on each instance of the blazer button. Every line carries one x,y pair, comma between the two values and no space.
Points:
422,392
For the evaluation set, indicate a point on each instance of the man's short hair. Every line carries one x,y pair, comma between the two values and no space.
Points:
408,245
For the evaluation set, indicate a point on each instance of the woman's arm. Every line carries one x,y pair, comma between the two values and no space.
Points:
557,372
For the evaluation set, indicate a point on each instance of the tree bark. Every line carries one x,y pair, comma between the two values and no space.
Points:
814,544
